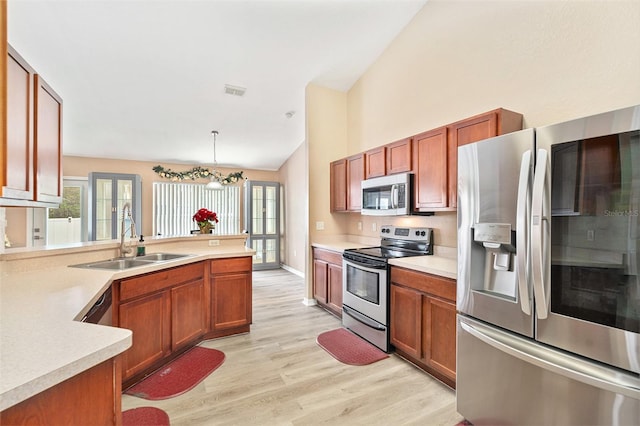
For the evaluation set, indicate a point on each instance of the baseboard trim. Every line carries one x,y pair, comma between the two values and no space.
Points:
293,271
309,302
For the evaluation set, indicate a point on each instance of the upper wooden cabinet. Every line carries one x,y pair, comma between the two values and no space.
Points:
375,161
430,169
399,155
32,141
338,178
355,176
474,129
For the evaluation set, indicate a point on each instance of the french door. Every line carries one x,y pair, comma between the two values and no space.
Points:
262,219
108,193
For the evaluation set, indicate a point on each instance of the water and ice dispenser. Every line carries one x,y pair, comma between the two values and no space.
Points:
493,255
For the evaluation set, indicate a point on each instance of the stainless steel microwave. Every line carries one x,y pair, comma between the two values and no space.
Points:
387,195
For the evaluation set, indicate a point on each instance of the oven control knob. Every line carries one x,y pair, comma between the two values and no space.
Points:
417,233
423,233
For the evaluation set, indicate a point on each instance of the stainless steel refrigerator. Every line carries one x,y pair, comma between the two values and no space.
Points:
548,292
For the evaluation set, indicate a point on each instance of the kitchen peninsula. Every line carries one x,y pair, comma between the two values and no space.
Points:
43,344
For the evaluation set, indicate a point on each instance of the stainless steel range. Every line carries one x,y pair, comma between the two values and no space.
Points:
365,278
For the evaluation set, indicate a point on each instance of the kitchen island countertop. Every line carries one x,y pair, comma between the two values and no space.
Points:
42,341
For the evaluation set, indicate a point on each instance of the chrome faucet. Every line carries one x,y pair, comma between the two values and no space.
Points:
124,251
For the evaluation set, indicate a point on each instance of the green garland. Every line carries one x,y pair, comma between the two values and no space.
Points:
198,173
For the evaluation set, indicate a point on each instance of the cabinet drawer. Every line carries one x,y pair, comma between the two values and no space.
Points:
134,287
328,256
235,264
426,283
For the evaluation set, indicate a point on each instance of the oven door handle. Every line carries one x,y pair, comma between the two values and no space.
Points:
363,319
370,267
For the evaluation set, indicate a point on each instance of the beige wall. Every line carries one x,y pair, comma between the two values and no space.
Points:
82,166
293,177
549,60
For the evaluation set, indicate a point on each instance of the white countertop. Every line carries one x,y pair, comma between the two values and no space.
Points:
41,341
442,262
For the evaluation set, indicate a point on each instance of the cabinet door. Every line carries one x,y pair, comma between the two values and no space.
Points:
375,161
338,177
430,168
355,176
17,177
399,157
187,313
439,335
149,318
406,321
230,300
334,288
320,279
47,143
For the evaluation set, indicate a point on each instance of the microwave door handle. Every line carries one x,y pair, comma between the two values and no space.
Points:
394,196
540,233
522,231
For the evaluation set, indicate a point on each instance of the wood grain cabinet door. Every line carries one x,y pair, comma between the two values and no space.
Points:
406,313
399,157
47,142
338,179
149,318
355,176
375,162
439,335
430,168
320,279
188,307
230,300
334,288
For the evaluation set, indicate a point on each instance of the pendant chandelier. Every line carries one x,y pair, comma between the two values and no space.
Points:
214,182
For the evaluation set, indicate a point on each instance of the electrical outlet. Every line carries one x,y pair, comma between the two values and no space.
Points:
319,226
590,235
359,226
374,227
214,242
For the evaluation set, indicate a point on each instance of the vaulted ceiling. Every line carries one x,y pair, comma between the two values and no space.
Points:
145,80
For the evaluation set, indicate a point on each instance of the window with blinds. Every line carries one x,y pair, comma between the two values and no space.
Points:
174,205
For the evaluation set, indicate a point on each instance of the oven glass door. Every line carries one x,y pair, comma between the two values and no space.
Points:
365,290
593,278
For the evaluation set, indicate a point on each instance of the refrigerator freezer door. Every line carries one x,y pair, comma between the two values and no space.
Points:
491,251
531,384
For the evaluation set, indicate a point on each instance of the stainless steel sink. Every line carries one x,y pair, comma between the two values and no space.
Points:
122,264
161,257
115,264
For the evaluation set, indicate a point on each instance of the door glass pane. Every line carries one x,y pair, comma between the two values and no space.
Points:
257,246
257,211
270,207
104,221
595,230
125,195
270,251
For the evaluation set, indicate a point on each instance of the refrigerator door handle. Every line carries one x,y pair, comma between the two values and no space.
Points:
522,231
540,232
557,362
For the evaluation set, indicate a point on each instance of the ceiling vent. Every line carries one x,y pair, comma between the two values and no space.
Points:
234,90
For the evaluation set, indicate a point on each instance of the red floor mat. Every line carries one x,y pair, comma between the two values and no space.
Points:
180,375
145,416
348,348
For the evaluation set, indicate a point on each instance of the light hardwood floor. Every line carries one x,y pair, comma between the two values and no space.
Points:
278,375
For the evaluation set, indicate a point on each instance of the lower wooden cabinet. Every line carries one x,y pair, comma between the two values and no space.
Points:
327,280
423,321
89,398
231,294
171,310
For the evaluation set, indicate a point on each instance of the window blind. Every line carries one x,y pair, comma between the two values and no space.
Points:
174,205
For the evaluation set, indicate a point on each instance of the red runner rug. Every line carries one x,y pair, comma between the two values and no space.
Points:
180,375
348,348
145,416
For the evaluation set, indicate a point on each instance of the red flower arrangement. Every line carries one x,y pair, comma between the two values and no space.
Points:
205,218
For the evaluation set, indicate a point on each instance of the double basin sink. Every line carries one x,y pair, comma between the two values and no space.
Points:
121,264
